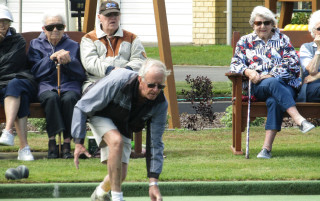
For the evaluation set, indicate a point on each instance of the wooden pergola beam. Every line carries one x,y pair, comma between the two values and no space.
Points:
89,15
164,51
160,15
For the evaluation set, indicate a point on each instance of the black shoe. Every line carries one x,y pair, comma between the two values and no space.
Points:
52,150
66,150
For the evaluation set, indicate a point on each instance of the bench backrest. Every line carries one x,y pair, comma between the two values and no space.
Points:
28,36
297,38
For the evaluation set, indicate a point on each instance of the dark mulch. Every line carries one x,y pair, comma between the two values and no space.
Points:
197,122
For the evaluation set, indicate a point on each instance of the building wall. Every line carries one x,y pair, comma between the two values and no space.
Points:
241,11
32,12
209,19
138,17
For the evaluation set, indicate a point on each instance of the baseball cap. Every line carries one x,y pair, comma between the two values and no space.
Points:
5,13
109,7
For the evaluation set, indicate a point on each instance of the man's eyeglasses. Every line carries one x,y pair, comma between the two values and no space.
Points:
259,23
52,26
112,14
153,85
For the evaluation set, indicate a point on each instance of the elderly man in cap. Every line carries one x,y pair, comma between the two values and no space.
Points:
116,106
17,85
109,47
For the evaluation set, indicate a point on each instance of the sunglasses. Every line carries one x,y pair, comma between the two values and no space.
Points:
112,14
318,29
153,85
258,23
52,26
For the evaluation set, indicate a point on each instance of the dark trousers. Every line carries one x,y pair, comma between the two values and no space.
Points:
313,91
278,97
58,111
24,89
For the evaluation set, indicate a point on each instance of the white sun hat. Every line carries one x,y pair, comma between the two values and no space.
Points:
5,13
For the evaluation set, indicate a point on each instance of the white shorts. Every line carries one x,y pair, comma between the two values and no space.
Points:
100,126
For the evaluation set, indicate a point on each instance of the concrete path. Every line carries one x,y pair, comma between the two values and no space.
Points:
214,73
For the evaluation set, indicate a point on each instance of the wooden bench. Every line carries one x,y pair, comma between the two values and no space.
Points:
259,109
36,111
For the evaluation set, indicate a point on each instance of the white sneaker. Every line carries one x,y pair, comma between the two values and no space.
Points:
7,138
105,197
25,154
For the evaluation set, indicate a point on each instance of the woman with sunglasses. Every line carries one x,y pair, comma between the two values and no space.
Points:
310,62
267,58
109,47
53,47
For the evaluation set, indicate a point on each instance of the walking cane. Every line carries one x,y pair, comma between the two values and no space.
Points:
248,120
58,83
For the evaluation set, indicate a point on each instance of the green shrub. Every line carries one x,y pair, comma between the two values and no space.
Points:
227,119
300,18
39,123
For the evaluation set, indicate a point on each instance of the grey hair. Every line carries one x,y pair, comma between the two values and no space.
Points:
262,12
151,63
314,19
53,13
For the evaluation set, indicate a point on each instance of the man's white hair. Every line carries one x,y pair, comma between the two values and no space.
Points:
53,13
314,19
152,63
262,12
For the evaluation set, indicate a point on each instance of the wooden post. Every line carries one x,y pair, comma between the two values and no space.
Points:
287,9
272,5
165,56
89,15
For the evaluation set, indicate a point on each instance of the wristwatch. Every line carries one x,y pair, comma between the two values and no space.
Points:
317,52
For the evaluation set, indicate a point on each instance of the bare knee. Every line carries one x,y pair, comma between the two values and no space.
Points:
114,140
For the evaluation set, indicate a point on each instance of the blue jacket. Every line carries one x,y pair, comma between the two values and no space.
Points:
44,69
114,97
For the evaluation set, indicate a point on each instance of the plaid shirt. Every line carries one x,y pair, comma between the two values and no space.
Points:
277,57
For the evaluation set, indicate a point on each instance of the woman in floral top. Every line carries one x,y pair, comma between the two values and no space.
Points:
268,59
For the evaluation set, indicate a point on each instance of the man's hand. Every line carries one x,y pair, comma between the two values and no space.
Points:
154,193
79,149
62,56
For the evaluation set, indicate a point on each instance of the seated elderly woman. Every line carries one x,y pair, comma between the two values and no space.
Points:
268,59
17,85
310,62
51,47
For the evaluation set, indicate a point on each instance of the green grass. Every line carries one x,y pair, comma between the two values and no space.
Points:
191,156
219,88
211,55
